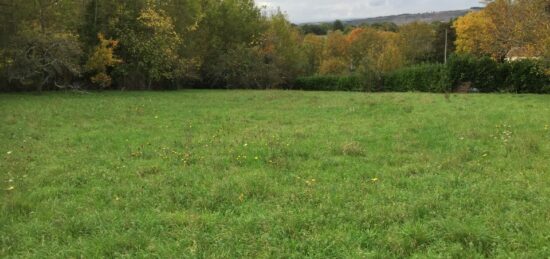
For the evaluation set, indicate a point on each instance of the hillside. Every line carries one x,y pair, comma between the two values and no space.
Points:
442,16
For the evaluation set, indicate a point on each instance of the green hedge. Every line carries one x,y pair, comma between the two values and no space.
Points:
421,78
330,83
483,73
525,76
522,76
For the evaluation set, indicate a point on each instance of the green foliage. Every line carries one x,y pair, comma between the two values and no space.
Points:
316,29
525,76
225,25
384,26
152,47
45,61
422,78
245,67
330,83
417,41
445,32
338,26
281,46
482,73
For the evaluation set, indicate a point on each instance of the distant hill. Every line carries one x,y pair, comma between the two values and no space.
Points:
443,16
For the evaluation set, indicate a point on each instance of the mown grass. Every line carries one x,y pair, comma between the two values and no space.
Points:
274,174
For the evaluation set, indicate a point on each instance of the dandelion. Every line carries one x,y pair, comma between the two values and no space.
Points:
374,180
245,145
256,158
9,152
11,188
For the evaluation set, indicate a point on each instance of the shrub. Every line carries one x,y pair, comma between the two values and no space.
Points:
483,72
101,59
422,78
43,62
330,83
526,76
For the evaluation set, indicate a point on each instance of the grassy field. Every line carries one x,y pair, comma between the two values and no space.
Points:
274,174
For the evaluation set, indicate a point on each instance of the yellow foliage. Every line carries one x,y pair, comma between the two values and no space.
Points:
334,66
101,59
505,25
336,45
473,32
102,79
103,55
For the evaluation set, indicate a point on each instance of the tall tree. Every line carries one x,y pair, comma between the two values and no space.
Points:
417,41
338,26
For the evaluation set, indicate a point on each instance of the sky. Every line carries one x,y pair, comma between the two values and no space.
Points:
300,11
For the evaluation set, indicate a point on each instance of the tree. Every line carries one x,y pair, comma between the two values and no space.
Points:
375,53
317,29
312,46
338,26
102,59
245,67
473,33
224,25
336,54
152,47
417,41
504,25
281,45
45,60
444,42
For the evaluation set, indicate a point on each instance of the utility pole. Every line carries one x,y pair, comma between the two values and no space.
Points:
446,44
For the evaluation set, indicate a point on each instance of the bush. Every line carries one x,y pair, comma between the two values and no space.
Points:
330,83
422,78
44,62
482,72
526,76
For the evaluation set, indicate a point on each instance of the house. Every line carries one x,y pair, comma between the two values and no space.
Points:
520,53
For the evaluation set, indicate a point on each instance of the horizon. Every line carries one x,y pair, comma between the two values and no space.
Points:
315,11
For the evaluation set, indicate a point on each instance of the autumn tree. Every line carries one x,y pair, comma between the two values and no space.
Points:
504,25
375,53
101,60
312,46
336,54
473,33
417,41
281,45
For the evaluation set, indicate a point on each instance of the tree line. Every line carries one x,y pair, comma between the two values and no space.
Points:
171,44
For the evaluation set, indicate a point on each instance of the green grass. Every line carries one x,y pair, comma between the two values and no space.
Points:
274,174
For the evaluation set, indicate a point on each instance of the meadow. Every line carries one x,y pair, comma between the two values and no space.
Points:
283,174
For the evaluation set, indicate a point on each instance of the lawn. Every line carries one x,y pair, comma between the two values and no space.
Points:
232,174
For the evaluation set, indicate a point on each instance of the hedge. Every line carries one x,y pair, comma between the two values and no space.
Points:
421,78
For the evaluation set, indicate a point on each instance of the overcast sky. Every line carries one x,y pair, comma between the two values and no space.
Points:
327,10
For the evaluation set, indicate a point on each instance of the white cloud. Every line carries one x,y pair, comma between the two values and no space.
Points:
327,10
